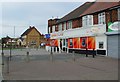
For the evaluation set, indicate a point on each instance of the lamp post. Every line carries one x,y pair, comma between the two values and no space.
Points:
2,53
10,48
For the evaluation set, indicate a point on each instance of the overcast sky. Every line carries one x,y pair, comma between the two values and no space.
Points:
20,15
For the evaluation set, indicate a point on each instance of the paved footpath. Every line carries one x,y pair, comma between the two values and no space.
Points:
98,68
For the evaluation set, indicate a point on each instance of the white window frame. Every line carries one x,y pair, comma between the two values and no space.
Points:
53,28
69,26
101,18
87,20
60,27
49,29
65,26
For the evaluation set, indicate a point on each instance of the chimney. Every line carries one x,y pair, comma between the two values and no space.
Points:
30,27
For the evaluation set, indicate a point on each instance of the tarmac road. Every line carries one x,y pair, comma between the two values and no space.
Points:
61,68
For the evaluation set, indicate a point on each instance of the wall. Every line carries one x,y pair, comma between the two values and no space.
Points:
102,38
34,35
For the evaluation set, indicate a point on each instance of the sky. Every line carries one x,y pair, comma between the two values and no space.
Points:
17,16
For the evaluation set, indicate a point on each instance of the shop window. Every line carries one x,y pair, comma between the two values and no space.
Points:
64,42
71,42
84,42
101,45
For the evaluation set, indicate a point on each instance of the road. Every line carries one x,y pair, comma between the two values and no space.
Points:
63,67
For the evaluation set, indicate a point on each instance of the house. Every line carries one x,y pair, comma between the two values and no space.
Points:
31,37
88,27
6,41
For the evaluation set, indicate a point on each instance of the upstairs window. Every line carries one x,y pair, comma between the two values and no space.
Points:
60,27
101,18
49,30
87,20
53,28
69,26
65,26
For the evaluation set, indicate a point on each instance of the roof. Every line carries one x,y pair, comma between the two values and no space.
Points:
29,30
76,13
99,6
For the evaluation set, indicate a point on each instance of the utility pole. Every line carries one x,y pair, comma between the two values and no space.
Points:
14,31
2,53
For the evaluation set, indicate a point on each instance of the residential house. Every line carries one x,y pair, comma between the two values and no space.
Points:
31,37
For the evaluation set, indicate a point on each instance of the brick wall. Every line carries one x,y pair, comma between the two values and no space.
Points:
75,23
114,15
95,19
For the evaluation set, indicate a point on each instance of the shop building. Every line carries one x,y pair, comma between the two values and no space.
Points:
84,28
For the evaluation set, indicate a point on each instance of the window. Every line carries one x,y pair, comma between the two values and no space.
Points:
119,14
69,26
87,20
101,45
101,18
64,42
65,26
33,42
60,27
84,42
53,28
71,43
48,29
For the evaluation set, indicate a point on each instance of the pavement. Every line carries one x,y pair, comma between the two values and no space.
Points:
63,67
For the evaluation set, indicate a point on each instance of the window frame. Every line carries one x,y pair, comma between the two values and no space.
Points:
64,26
87,20
101,18
60,27
101,43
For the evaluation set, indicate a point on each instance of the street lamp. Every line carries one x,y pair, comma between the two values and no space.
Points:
2,53
10,48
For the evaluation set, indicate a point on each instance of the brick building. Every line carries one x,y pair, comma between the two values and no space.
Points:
90,26
32,37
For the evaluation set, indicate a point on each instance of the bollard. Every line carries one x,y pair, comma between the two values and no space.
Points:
74,56
10,54
93,53
51,50
2,58
51,57
86,53
27,57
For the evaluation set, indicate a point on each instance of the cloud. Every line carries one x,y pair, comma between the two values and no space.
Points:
23,14
45,0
